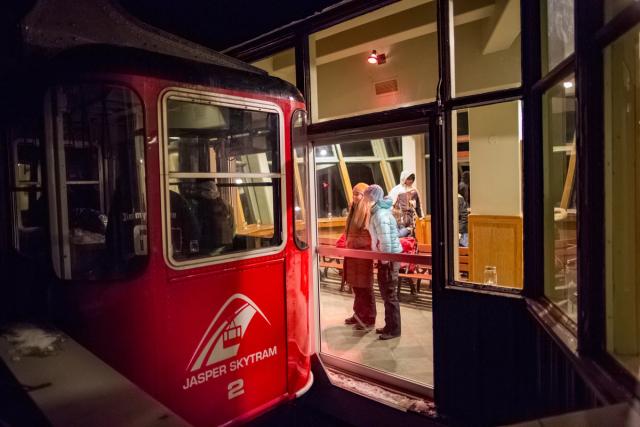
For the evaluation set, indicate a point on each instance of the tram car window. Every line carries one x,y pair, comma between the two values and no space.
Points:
300,148
98,152
224,178
27,198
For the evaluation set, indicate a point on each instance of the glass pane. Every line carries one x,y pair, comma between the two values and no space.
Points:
357,149
622,199
211,138
487,234
557,19
82,161
300,178
331,198
103,143
27,167
30,222
396,168
358,294
560,210
613,7
282,65
366,172
393,146
211,217
404,71
486,46
325,152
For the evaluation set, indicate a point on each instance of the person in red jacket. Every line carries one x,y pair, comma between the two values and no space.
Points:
359,272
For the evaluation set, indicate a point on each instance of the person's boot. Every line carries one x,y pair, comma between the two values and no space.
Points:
388,336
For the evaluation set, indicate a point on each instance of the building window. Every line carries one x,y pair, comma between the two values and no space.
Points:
560,208
557,43
97,152
281,65
485,45
344,83
223,181
487,195
622,199
300,151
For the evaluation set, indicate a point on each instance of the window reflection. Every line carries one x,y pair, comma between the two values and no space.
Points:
557,18
560,210
622,200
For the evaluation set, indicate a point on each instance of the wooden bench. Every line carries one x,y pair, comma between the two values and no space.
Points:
423,272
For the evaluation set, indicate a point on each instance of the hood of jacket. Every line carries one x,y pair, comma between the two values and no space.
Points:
404,175
382,204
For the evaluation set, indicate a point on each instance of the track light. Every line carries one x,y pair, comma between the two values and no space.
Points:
375,58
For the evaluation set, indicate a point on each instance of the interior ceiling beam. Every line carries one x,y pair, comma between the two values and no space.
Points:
383,44
503,27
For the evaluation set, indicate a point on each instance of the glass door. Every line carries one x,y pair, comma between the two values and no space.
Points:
374,264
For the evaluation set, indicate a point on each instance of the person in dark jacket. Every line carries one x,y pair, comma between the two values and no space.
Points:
463,214
384,238
359,272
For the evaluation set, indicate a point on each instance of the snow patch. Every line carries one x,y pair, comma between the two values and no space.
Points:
29,340
376,392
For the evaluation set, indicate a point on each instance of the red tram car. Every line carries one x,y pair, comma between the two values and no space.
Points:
167,195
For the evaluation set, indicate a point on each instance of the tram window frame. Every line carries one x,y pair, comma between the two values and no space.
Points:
278,178
26,134
301,180
59,126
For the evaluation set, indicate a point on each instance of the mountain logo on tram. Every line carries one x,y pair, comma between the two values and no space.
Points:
222,339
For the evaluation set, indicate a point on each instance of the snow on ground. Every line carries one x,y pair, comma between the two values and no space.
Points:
30,340
381,394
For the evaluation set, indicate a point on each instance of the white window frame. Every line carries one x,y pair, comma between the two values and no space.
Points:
228,101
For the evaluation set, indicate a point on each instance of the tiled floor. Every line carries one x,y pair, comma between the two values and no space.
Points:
409,356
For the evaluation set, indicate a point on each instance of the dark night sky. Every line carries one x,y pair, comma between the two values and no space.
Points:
217,24
221,23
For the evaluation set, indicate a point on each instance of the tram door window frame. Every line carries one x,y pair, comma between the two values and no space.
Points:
249,239
300,157
428,186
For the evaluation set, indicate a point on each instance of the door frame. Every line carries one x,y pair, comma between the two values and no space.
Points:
426,125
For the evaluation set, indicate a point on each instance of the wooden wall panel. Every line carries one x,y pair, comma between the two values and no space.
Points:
496,240
423,230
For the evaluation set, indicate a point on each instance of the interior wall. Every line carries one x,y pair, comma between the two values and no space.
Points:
281,65
475,71
494,159
346,86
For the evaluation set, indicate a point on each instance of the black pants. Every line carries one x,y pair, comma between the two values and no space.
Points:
364,305
388,283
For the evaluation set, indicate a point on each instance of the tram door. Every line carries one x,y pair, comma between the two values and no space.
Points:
357,294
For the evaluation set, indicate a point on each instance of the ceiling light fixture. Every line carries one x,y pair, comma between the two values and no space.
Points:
567,84
376,58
